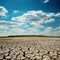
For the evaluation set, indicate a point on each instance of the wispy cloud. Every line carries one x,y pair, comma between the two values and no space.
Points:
3,11
46,1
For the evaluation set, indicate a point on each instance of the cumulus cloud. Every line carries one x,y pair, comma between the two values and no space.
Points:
36,19
35,16
3,11
46,1
30,23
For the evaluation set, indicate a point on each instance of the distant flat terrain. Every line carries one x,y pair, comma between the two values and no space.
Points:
29,40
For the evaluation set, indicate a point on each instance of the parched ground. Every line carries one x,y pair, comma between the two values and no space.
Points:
29,48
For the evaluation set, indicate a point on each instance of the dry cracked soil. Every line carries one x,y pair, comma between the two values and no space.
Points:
29,48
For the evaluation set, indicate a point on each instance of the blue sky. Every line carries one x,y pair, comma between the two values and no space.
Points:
29,17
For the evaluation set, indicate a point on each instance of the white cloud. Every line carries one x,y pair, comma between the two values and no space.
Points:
46,1
37,19
49,31
6,25
57,28
49,15
2,26
57,15
50,20
1,21
36,25
3,11
10,28
30,23
35,16
15,30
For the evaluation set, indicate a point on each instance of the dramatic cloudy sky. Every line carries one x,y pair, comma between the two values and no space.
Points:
30,17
